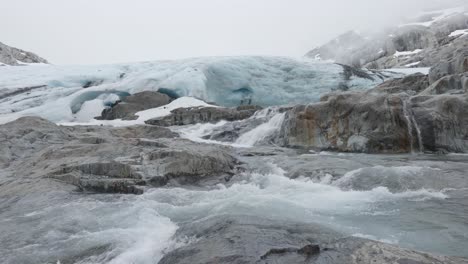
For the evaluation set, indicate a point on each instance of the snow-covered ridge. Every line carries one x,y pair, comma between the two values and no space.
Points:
62,93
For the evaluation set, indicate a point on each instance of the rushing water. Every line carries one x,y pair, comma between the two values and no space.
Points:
417,205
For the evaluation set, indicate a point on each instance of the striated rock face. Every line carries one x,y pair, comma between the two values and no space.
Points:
413,83
105,159
455,84
354,122
132,104
14,56
443,122
194,115
397,116
455,62
246,239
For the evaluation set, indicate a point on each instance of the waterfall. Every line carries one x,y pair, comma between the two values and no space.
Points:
262,131
408,123
411,121
418,133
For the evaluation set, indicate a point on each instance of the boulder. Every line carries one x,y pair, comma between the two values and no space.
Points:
194,115
248,239
132,104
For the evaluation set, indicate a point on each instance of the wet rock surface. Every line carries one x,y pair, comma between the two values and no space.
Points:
352,122
400,115
104,159
132,104
195,115
246,239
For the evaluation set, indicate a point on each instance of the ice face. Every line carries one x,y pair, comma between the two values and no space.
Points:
59,92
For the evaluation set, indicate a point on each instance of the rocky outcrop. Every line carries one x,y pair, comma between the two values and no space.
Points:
108,160
13,56
397,116
354,122
454,84
247,239
194,115
132,104
453,63
412,84
414,113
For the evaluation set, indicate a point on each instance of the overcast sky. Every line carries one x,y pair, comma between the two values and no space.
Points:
108,31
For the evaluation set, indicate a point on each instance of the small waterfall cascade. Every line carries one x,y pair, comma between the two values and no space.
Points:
264,130
411,122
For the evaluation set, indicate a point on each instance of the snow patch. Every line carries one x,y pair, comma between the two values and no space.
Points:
412,64
460,32
409,71
407,53
90,108
183,102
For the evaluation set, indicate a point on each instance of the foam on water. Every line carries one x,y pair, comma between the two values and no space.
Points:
275,196
91,230
139,229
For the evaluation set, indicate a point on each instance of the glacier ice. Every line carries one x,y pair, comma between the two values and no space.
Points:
59,93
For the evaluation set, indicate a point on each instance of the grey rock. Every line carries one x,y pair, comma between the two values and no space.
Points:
194,115
448,25
247,239
443,122
106,159
132,104
379,123
456,84
455,64
413,37
13,56
354,122
414,83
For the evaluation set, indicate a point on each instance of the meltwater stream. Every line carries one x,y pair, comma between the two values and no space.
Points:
60,227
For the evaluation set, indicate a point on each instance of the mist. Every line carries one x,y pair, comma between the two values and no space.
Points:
112,31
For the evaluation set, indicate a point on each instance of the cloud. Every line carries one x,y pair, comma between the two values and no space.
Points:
108,31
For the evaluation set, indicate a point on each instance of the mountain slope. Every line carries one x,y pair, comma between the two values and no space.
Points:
420,42
13,56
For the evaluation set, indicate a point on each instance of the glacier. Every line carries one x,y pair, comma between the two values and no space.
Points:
67,93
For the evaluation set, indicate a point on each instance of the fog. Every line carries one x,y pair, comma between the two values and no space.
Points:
109,31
